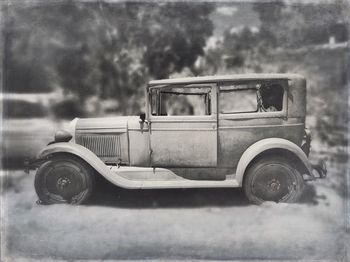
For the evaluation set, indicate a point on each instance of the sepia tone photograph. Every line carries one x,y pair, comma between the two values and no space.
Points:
174,130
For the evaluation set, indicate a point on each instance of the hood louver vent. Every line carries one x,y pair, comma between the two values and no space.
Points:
107,147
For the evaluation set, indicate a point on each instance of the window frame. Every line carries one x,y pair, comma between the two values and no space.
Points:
213,103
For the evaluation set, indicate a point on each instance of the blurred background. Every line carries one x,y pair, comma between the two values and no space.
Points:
66,59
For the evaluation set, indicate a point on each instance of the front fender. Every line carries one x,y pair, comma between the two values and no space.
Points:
90,158
264,145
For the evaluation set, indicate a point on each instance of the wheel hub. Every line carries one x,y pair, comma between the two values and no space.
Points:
63,182
273,185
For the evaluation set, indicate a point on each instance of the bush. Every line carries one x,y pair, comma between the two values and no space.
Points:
68,109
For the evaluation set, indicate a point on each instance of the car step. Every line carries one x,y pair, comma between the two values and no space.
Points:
152,178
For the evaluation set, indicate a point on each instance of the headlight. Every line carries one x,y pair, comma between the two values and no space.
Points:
63,136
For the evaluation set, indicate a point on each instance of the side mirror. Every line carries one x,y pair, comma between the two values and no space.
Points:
143,117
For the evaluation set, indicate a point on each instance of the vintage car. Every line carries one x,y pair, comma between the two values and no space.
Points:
199,132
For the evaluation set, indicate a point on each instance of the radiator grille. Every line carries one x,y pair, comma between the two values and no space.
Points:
107,147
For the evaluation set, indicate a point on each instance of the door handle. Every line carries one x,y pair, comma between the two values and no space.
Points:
142,124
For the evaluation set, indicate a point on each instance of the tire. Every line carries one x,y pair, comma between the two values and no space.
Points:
64,179
273,179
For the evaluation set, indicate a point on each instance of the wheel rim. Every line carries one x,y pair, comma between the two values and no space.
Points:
64,184
274,182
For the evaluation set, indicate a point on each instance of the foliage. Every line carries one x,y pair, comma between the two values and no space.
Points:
102,49
67,108
299,25
102,54
290,39
22,109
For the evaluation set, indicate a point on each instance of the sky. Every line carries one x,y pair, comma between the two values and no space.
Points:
228,15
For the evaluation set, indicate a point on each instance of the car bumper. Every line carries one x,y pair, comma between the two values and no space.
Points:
319,170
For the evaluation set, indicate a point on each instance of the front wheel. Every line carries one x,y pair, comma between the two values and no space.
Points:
64,179
273,179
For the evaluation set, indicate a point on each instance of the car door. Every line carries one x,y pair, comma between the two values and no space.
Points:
183,126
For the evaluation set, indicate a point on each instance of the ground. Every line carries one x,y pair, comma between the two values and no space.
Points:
211,224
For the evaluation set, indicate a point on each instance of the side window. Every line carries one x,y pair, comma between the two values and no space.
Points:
251,97
270,97
180,101
238,99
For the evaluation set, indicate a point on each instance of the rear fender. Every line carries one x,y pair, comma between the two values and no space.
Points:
90,158
267,144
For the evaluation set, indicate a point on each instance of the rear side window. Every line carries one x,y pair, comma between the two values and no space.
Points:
270,97
251,97
233,101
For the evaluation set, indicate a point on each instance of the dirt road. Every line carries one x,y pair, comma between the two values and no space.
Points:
212,224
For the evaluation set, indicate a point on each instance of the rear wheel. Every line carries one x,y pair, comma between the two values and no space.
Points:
64,179
273,179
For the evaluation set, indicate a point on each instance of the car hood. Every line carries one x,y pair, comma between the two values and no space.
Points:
106,137
104,124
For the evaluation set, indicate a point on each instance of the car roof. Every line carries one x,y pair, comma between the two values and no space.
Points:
223,78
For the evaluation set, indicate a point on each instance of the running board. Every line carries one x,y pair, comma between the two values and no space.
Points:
161,178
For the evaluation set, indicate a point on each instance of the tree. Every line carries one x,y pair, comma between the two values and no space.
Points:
292,26
103,49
